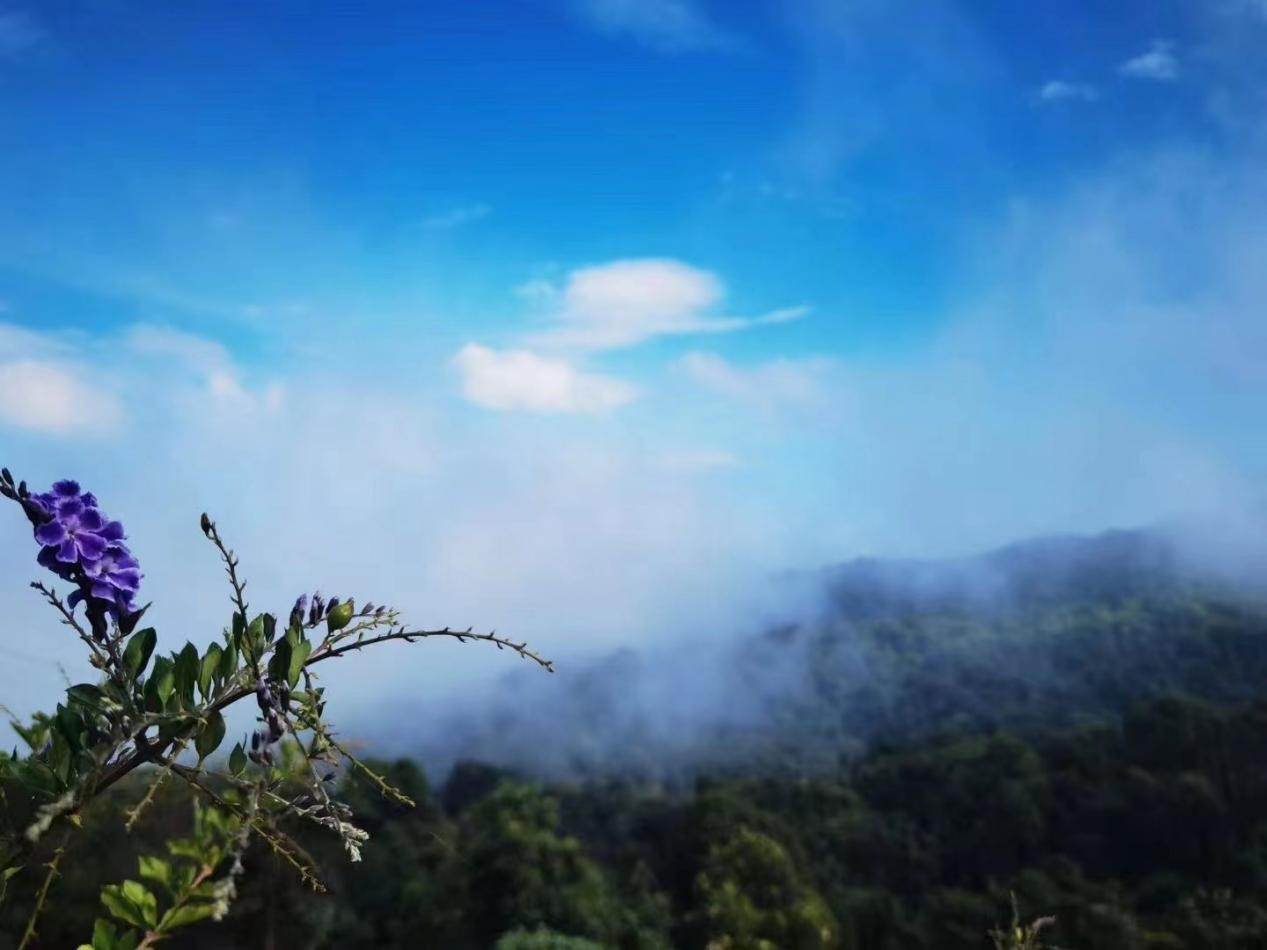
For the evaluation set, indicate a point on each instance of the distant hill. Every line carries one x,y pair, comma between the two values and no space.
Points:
1043,633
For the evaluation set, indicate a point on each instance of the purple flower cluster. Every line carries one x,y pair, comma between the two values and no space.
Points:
81,545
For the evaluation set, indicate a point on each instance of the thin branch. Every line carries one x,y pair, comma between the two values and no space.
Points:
278,841
29,934
134,814
230,565
68,618
409,636
148,750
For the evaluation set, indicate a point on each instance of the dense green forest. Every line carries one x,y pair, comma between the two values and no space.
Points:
1087,732
1042,635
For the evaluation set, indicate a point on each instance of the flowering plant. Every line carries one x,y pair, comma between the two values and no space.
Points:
167,713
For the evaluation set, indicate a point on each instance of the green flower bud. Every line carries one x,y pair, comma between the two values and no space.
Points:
340,615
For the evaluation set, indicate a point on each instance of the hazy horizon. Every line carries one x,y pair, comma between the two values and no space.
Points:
576,318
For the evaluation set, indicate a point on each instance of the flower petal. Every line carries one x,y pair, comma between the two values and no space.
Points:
89,499
69,508
92,545
128,580
66,488
123,558
51,532
90,519
68,551
112,531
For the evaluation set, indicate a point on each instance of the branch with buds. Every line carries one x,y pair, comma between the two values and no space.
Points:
148,710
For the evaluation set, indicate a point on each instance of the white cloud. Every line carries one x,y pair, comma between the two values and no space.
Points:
55,398
1157,64
191,349
626,302
209,359
19,341
538,289
780,382
19,34
1059,90
522,380
456,217
667,26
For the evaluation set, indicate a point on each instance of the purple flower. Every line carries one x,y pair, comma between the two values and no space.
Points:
75,532
80,544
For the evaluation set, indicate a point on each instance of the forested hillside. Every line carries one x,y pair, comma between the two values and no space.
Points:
1083,726
1032,637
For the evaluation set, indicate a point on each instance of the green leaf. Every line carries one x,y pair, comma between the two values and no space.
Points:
160,685
103,935
210,735
210,664
228,663
270,628
255,636
145,901
188,666
237,760
239,630
279,662
156,869
184,916
122,908
86,694
137,653
298,657
4,879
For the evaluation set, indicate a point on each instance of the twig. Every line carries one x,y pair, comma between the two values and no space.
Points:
280,844
461,635
29,934
68,618
230,566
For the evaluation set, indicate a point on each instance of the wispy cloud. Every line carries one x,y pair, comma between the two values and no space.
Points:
456,217
522,380
203,357
55,398
767,386
667,26
1060,90
626,302
1158,64
19,34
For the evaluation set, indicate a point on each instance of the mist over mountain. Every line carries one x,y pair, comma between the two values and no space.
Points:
1042,633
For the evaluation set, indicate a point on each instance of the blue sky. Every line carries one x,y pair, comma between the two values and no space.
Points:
570,317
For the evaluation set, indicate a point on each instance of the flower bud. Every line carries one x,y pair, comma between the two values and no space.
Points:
206,524
340,615
297,612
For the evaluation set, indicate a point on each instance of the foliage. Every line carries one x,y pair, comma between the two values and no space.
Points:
752,898
543,940
166,713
